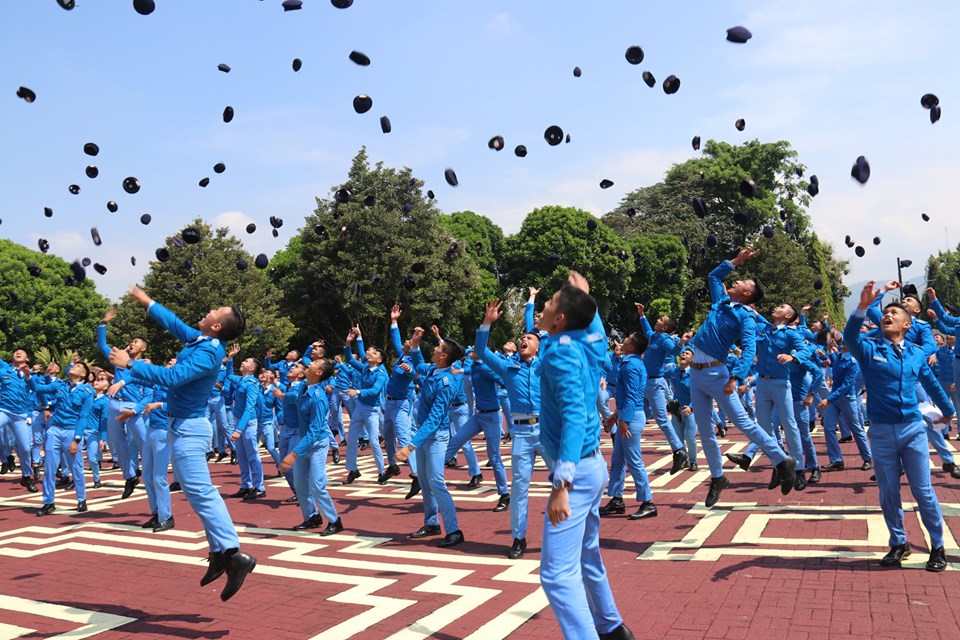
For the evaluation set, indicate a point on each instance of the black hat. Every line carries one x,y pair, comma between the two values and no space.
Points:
934,114
297,64
430,194
27,94
591,224
204,182
576,72
741,217
554,258
257,331
133,260
91,149
177,242
276,234
748,188
634,55
360,58
418,267
34,270
191,235
144,7
860,251
145,218
409,283
649,79
910,289
43,244
79,273
362,103
789,226
385,125
818,284
695,143
74,189
738,34
520,151
219,167
228,114
47,211
929,101
740,124
163,254
606,184
131,185
604,247
767,231
568,138
99,268
553,135
261,261
251,228
276,222
699,207
860,170
631,212
241,264
67,4
496,143
341,4
784,215
292,5
407,207
450,176
374,279
224,67
876,240
847,241
814,187
369,201
112,206
92,171
711,240
925,217
671,85
95,235
343,196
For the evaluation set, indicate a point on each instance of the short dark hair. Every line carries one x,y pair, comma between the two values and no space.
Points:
453,349
670,324
378,350
758,291
85,368
639,341
577,306
24,349
898,306
256,363
326,369
915,299
532,333
796,315
233,325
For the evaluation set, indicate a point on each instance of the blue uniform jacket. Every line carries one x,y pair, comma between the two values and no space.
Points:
679,381
521,379
630,387
15,395
291,414
400,384
248,401
725,324
437,391
891,379
485,383
919,332
313,408
74,403
663,348
773,341
98,416
133,390
844,373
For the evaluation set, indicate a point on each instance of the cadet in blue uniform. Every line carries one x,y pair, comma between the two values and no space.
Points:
664,345
309,457
842,401
398,405
16,403
65,432
188,386
521,376
290,430
95,433
892,366
711,380
429,443
217,415
343,380
571,569
369,394
44,406
684,423
246,408
266,418
156,459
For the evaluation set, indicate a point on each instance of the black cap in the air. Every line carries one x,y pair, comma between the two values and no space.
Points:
767,231
131,185
91,149
276,222
695,143
292,5
591,224
876,240
671,85
577,72
47,211
814,187
860,251
26,94
204,182
369,201
67,4
738,34
34,270
648,79
741,217
818,284
409,283
699,207
224,67
163,254
634,55
95,235
860,170
553,135
418,267
92,171
496,143
606,184
451,177
360,58
385,124
261,261
711,240
146,218
929,101
112,206
520,151
934,114
925,217
251,228
241,264
191,235
219,167
79,273
341,4
740,124
144,7
362,103
74,189
228,114
748,188
297,64
99,268
343,196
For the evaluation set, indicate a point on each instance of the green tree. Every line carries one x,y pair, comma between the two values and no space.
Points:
200,277
554,240
44,311
354,259
943,274
658,281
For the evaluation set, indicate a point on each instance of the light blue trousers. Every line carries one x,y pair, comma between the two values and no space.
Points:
489,424
57,448
436,498
156,460
525,447
364,421
310,478
626,455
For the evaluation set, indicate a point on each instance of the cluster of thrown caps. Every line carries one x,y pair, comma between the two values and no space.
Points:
146,7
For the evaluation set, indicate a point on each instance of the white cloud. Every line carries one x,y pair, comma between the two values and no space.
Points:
501,23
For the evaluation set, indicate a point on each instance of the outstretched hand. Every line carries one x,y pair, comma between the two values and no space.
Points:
492,311
140,296
578,282
395,313
744,255
868,295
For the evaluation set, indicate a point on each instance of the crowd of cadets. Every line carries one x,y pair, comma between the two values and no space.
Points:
771,376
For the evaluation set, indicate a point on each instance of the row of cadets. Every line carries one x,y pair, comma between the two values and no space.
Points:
398,408
369,391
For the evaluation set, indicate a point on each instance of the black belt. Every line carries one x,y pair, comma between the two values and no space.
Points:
392,398
527,421
458,404
486,410
591,454
767,377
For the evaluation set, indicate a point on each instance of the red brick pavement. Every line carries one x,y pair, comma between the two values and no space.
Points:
758,565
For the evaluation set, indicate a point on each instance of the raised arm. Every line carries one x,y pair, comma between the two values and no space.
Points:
528,311
438,410
941,313
164,317
102,332
491,314
395,338
644,323
851,332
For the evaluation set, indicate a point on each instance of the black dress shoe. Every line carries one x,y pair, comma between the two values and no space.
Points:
233,457
801,482
175,486
335,455
693,467
614,507
833,466
897,553
952,469
29,484
866,466
721,430
647,510
214,570
517,549
97,485
392,470
238,566
241,493
620,633
255,494
351,476
741,460
503,504
452,539
333,528
128,487
426,530
846,439
4,468
46,510
364,444
414,487
314,521
788,474
82,506
165,525
62,482
475,480
937,561
382,478
815,476
717,485
210,455
151,523
451,463
292,499
221,456
774,480
680,461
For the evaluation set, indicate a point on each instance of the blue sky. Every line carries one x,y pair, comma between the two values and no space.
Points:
838,79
